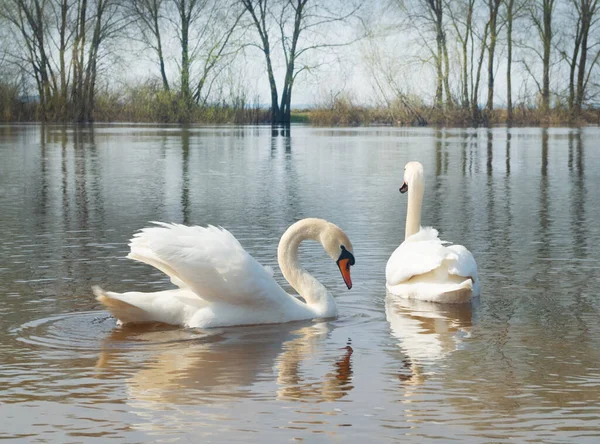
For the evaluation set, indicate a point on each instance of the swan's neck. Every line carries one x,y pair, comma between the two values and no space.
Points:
413,211
314,293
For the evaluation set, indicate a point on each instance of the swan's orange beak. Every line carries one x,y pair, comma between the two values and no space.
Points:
344,265
344,262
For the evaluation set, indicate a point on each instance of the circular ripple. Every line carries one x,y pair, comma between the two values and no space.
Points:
359,311
93,330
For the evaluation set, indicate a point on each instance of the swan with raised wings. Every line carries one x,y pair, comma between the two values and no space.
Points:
424,267
220,284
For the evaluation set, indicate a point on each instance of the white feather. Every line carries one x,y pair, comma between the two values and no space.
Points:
424,268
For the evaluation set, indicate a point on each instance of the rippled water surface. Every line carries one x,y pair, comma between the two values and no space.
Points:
520,364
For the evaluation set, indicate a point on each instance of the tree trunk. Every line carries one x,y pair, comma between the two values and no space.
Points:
509,25
78,63
449,100
547,43
588,10
286,97
185,59
465,55
573,67
439,38
493,5
475,99
62,48
159,50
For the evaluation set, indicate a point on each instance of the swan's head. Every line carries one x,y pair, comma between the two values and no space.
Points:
413,175
339,248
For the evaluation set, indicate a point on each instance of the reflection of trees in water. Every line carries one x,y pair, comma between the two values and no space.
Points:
543,229
544,375
285,166
438,190
42,197
490,152
67,205
576,173
185,183
507,197
492,219
469,146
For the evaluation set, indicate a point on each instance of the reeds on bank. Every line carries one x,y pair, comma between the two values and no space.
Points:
149,103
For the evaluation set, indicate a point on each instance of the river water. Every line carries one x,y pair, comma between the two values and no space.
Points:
522,363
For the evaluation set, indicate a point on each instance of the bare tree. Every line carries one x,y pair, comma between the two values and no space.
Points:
494,7
461,15
149,17
300,28
221,42
427,18
476,74
389,76
541,13
105,19
509,4
188,12
587,13
205,30
46,28
28,20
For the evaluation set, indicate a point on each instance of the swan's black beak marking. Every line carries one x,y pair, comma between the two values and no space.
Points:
404,187
344,262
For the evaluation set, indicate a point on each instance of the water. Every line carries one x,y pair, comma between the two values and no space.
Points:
523,363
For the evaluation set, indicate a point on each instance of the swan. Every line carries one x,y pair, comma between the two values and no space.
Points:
424,267
220,284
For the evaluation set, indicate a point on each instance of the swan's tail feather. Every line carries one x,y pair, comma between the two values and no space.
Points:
123,311
461,294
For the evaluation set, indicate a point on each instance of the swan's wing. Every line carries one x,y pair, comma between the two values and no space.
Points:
419,254
209,261
461,262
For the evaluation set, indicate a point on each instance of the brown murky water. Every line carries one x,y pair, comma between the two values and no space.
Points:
521,364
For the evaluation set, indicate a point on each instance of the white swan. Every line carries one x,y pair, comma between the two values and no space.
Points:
423,267
220,284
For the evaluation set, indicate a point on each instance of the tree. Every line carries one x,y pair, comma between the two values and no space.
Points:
494,7
204,29
509,4
427,19
587,14
475,112
302,28
46,28
149,15
541,13
106,21
462,19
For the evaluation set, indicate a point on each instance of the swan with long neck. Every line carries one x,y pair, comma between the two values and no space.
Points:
220,284
424,267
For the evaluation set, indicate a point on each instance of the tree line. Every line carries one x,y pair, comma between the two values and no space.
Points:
420,58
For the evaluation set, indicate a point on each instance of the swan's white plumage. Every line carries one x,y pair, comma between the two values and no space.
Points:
424,267
209,261
220,284
420,253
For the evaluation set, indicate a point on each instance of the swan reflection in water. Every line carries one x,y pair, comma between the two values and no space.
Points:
291,380
427,332
186,367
